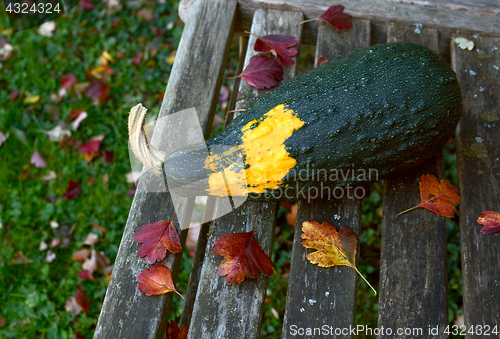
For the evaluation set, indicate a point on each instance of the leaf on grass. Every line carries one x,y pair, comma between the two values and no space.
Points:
439,197
96,261
58,133
157,238
3,137
98,91
91,149
78,335
333,248
109,156
244,257
490,221
82,301
72,191
81,255
72,306
137,58
336,18
86,275
262,72
279,46
68,80
156,280
176,332
87,5
76,123
32,99
37,160
101,72
20,258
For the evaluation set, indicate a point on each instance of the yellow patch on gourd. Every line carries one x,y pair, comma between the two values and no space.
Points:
263,150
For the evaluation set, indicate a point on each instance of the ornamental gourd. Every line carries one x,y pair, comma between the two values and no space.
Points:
380,110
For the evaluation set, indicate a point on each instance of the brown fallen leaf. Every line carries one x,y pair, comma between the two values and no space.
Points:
176,332
244,257
333,248
156,280
438,197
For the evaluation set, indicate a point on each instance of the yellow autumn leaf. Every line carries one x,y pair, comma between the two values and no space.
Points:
32,99
333,248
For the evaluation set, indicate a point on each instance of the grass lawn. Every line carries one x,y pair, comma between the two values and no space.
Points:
49,207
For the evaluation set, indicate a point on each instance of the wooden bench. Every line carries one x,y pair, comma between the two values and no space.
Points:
413,268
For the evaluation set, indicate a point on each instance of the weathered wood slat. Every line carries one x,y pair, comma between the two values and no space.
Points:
194,82
478,164
478,6
325,296
379,12
413,278
235,311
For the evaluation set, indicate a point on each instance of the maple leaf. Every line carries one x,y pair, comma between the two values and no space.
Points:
336,18
157,238
439,197
82,301
490,221
72,191
244,258
176,332
68,80
333,248
278,45
91,149
262,72
156,280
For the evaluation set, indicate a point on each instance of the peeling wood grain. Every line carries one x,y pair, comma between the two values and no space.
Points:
479,179
325,296
194,82
235,311
413,278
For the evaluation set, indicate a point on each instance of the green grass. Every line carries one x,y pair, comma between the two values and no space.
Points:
33,295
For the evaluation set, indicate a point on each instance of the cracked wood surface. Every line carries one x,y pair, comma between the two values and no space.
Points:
413,279
320,296
478,165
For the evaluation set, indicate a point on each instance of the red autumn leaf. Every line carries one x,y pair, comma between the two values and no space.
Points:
321,61
336,18
3,322
108,156
137,59
82,301
98,91
100,228
85,275
101,72
436,196
73,190
490,221
244,257
156,280
157,238
78,335
87,5
262,72
14,94
176,332
68,80
279,46
91,146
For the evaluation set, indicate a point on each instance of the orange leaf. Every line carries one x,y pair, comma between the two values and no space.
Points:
333,248
157,238
156,280
491,222
101,72
436,196
244,257
176,332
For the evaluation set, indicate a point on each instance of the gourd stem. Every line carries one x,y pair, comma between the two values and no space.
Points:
147,154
